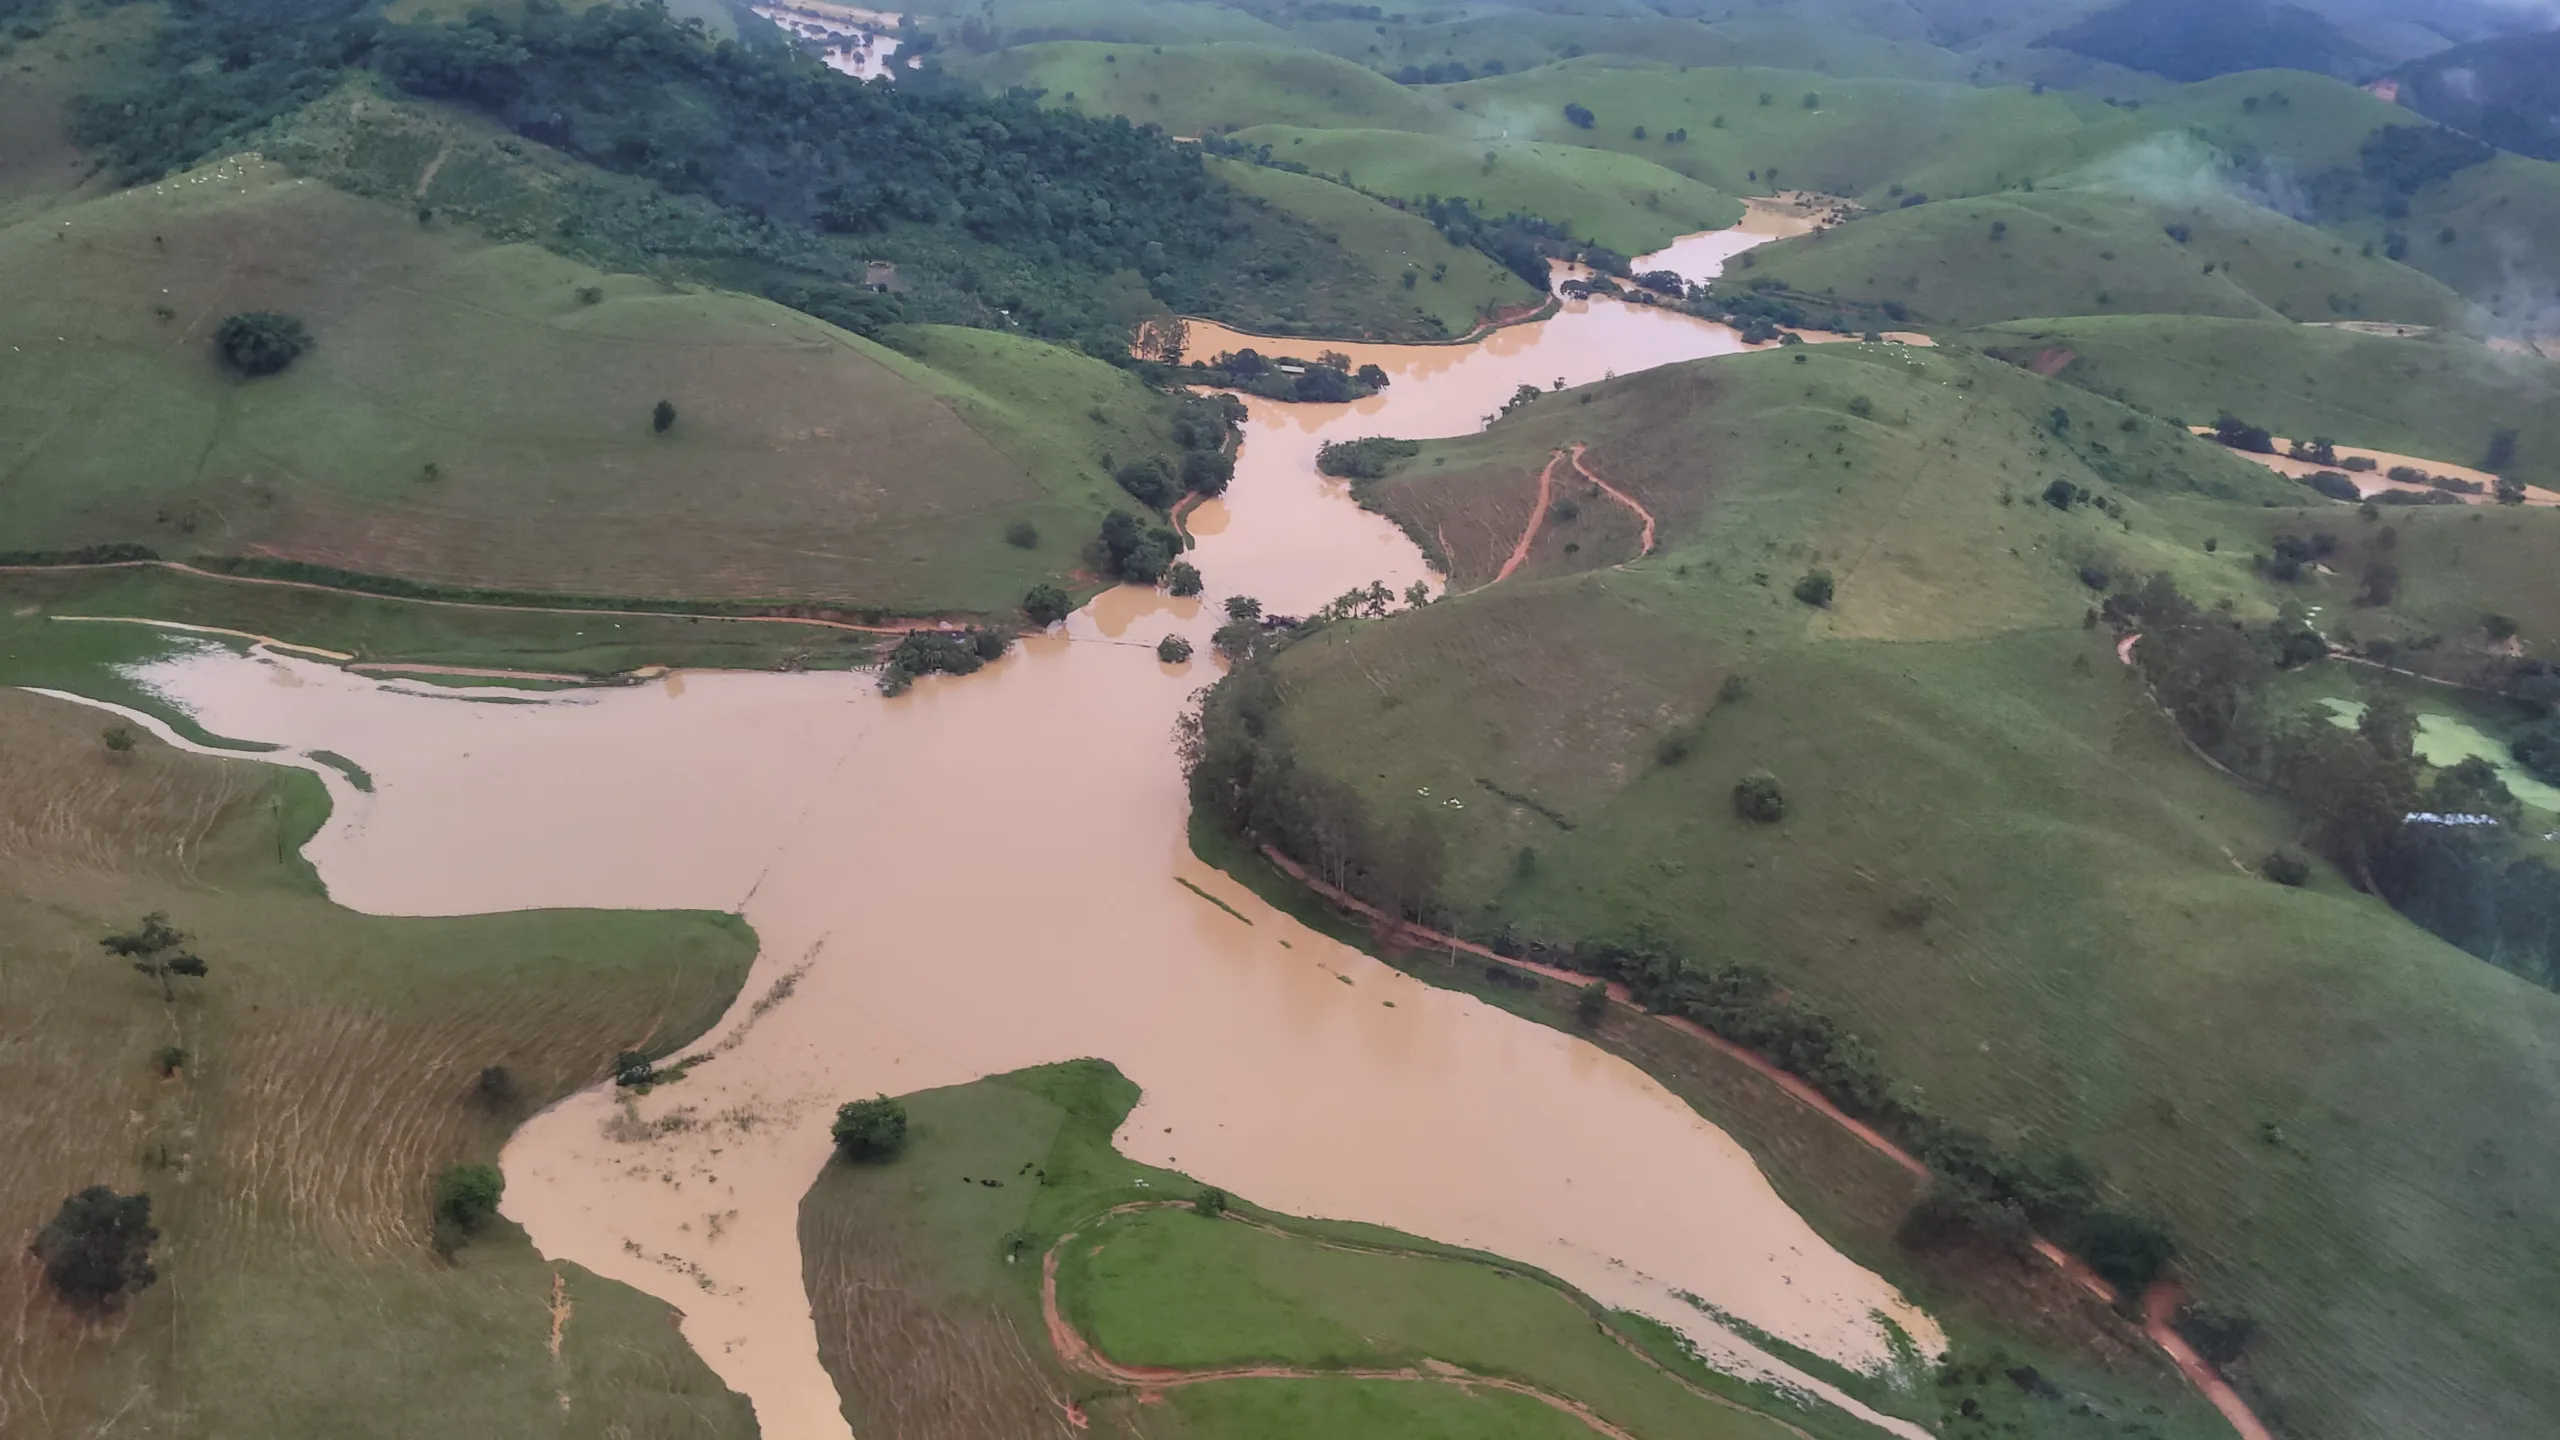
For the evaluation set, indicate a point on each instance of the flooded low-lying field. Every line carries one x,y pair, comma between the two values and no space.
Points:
991,872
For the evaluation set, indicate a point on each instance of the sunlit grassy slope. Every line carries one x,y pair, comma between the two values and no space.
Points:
331,1065
2335,1110
476,413
2102,251
1629,204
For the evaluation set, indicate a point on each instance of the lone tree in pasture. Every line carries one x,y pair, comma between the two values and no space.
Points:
117,738
663,418
1815,588
496,1090
1757,797
874,1129
466,1201
97,1249
153,947
260,342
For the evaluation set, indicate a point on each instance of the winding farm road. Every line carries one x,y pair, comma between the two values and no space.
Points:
1546,497
2159,1304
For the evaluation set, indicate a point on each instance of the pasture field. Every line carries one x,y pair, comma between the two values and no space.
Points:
2440,397
1378,245
1160,1287
924,1279
1197,89
2099,251
2000,866
1630,205
1859,137
330,1073
478,414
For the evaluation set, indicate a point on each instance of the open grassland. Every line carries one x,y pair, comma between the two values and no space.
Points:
1196,89
925,1275
2101,252
2000,866
1379,246
1160,1287
479,415
2439,397
1858,137
330,1071
1629,204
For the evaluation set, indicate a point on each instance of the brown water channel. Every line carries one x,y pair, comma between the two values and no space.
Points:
982,875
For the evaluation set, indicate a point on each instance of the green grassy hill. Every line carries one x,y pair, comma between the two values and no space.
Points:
1195,89
2440,397
1629,204
2000,866
478,414
1858,138
1379,245
2097,251
330,1073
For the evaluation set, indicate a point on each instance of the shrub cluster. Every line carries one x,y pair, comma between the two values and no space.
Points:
941,652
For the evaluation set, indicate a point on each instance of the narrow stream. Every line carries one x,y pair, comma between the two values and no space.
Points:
982,875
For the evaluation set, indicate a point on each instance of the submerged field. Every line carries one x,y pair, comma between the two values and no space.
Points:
330,1071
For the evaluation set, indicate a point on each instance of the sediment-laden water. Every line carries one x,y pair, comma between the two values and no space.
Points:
985,874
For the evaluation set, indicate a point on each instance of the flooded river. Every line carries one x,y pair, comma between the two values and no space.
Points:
982,875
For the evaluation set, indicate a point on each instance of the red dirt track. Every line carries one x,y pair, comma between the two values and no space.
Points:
2159,1304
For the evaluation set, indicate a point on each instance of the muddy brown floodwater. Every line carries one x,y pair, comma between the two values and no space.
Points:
982,875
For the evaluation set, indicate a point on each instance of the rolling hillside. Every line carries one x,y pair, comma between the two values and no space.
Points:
478,414
1999,865
1629,204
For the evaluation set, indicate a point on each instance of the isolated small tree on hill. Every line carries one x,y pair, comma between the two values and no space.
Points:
260,342
1579,117
874,1129
1815,588
152,946
1757,797
1211,1202
663,418
1022,535
117,739
96,1250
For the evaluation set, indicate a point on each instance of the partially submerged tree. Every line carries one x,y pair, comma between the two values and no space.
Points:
152,946
874,1129
96,1250
466,1201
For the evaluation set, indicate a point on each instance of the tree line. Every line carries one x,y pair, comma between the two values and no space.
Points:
2441,844
763,131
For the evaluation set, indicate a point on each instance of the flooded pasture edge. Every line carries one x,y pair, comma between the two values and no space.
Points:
991,872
